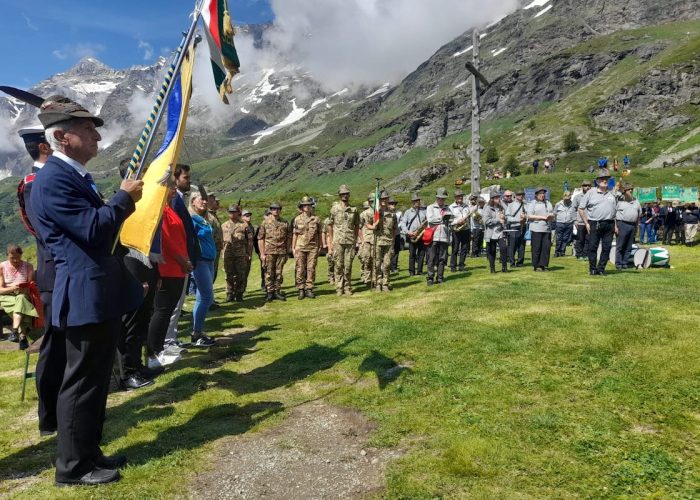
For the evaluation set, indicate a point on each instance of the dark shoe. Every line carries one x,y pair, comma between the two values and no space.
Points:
230,298
440,281
602,273
460,269
23,343
13,337
270,297
111,462
302,295
238,298
150,372
430,282
95,476
504,269
518,265
537,269
280,296
492,270
47,432
453,269
545,269
593,272
213,306
310,294
202,341
411,273
135,381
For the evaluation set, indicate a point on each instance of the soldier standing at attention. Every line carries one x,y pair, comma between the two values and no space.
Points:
439,216
236,254
412,221
344,225
325,236
252,243
367,244
598,208
274,241
384,231
306,242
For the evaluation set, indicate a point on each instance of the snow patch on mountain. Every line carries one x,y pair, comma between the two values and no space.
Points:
497,52
542,11
293,117
381,90
536,3
457,54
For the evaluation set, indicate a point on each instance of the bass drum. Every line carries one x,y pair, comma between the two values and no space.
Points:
659,257
640,258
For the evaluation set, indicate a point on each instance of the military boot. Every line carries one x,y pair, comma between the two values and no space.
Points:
310,294
301,294
270,297
280,296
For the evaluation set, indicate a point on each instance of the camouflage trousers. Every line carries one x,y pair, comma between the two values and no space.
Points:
331,266
382,264
343,256
274,264
235,268
305,267
365,256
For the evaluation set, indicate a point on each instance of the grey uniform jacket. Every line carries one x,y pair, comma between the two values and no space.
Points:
493,228
411,220
539,208
513,212
435,219
565,214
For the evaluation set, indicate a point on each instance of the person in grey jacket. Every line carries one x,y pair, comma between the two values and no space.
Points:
411,222
581,243
494,224
564,216
598,208
439,217
626,223
540,214
515,219
476,224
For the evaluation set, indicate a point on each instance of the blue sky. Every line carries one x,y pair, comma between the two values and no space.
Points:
41,38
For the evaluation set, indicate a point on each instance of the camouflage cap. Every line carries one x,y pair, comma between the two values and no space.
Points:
441,193
365,205
275,205
343,189
306,201
57,109
234,208
370,196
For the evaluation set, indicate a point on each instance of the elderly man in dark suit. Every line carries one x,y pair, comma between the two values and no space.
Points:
91,290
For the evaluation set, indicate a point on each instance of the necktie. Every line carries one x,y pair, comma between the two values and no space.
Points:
89,178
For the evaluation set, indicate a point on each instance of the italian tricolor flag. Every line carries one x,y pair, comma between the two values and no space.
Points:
219,31
376,205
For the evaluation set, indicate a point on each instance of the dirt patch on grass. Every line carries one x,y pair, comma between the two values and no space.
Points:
319,451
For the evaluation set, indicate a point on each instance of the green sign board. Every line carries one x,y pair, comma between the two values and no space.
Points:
689,195
671,192
646,195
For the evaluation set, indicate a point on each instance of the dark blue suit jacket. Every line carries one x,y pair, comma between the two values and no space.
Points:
45,268
79,229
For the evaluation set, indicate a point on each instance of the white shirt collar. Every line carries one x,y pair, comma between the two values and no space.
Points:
38,164
70,161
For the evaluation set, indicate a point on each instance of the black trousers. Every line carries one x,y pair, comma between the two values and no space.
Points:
437,258
581,243
625,239
502,246
602,233
477,242
166,299
541,246
416,256
516,244
49,369
397,248
460,248
82,398
135,324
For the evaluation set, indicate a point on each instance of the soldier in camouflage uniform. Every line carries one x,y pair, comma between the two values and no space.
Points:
274,242
384,233
329,251
306,242
344,225
236,254
367,245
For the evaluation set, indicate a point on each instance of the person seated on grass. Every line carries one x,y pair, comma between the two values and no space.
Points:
14,300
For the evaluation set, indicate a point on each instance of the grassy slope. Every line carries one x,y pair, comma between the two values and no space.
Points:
519,385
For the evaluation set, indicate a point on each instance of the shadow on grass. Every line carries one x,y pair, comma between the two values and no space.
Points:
205,426
385,368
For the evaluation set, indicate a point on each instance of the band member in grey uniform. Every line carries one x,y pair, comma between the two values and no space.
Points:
626,223
515,220
564,217
412,221
439,217
598,209
476,225
494,224
460,232
540,214
581,242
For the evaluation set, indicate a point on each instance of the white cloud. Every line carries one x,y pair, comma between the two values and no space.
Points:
29,22
147,50
78,50
373,41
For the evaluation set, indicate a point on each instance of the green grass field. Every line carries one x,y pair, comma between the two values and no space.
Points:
517,385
